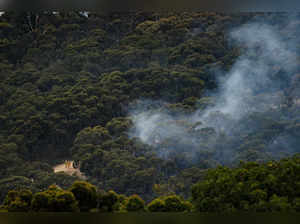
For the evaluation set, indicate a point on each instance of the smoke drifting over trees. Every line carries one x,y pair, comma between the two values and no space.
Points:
147,102
252,90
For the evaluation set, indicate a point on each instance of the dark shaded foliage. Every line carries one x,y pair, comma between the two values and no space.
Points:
67,83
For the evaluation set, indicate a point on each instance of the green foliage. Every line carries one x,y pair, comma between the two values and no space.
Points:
118,126
18,201
14,183
109,202
171,203
94,136
85,194
273,186
135,204
68,83
175,204
253,187
157,205
54,199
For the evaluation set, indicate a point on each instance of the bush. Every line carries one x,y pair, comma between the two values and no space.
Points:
54,200
86,195
135,204
171,203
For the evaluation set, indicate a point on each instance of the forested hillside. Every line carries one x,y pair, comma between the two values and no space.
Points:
135,97
270,187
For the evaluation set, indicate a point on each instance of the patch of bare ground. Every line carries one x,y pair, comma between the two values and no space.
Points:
69,170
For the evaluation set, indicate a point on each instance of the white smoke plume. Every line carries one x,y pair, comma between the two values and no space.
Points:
250,86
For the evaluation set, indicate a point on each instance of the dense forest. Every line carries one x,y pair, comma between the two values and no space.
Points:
255,187
165,111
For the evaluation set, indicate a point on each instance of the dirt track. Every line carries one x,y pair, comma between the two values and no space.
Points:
70,171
